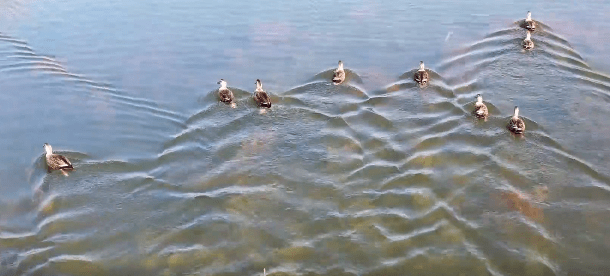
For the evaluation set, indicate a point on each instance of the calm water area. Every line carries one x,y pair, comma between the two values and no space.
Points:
375,176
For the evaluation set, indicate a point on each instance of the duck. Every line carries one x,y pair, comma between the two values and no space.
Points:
56,161
516,124
421,76
480,109
260,96
528,44
225,95
339,74
529,23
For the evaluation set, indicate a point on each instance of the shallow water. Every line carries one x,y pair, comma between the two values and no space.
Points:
373,177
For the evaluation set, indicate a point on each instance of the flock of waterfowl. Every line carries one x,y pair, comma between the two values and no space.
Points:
421,77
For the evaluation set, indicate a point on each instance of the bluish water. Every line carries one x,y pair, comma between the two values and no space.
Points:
373,177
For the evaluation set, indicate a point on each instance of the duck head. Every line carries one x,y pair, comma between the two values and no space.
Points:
479,98
259,85
223,83
529,16
48,148
516,115
421,66
340,67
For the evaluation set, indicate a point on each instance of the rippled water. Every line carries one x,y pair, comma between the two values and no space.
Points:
373,177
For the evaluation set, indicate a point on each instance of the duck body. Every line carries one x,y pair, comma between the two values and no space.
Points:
260,96
339,74
516,124
528,44
480,109
56,161
421,76
224,94
529,24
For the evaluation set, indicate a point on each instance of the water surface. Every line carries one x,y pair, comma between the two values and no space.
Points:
373,177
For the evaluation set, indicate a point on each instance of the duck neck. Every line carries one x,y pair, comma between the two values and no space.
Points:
421,67
529,17
516,115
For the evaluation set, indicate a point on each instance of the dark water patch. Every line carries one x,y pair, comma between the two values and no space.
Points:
500,33
374,171
318,90
454,138
28,66
466,88
478,57
431,261
601,87
561,50
27,59
389,154
443,90
23,48
42,65
372,121
226,119
342,140
70,265
560,59
18,239
434,124
12,40
397,87
417,198
408,179
510,172
591,194
438,158
426,91
555,38
603,181
476,70
63,222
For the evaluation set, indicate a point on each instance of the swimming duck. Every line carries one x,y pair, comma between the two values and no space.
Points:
56,161
527,42
529,23
339,75
480,109
260,96
516,124
226,96
421,76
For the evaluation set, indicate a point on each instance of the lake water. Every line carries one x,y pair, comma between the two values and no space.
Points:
372,177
